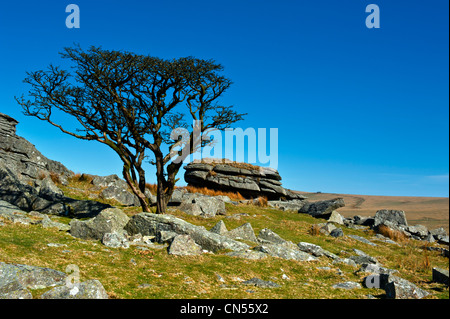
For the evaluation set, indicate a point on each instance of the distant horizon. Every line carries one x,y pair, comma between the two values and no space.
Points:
358,110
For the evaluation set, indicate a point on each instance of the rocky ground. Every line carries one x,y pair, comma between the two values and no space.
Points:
82,236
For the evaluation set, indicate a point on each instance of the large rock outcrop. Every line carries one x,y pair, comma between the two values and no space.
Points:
25,177
249,180
21,157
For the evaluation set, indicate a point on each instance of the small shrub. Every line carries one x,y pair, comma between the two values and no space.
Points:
42,176
314,230
55,178
261,201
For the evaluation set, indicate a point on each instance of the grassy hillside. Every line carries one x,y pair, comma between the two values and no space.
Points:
152,273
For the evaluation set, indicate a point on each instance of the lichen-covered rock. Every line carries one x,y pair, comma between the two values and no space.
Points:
148,224
322,209
397,217
284,252
91,289
184,245
21,277
115,240
244,232
108,221
399,288
219,228
248,180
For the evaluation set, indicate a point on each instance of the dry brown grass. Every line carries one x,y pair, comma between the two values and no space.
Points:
314,230
236,196
55,178
393,234
261,201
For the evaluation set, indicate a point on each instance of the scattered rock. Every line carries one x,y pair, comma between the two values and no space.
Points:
149,224
399,288
91,289
219,228
338,232
261,283
397,217
184,245
322,209
115,240
120,194
16,280
165,237
244,232
288,205
362,239
347,285
108,221
440,275
315,250
336,218
247,254
284,252
268,236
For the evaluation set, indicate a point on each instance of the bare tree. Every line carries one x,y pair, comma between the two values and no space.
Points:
133,103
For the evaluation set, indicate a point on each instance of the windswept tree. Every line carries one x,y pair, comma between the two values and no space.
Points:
134,104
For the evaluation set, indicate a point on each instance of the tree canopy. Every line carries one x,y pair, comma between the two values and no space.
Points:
134,104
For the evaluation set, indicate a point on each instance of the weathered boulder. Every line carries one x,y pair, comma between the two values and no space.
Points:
49,191
16,280
244,232
399,288
115,240
322,209
288,205
315,250
284,252
362,239
22,158
219,228
268,236
257,282
347,285
200,205
397,217
28,198
184,245
13,213
148,224
337,232
108,221
91,289
375,269
249,180
440,275
247,254
418,230
165,236
336,218
120,194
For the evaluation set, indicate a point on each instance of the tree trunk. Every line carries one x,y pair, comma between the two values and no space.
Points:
140,195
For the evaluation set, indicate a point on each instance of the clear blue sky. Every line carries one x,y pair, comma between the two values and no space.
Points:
359,111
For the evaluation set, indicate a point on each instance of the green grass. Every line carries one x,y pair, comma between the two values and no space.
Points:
122,271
